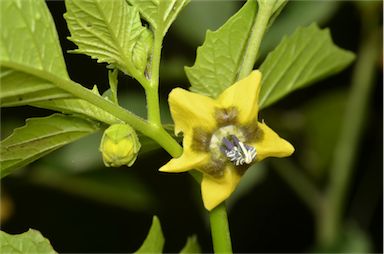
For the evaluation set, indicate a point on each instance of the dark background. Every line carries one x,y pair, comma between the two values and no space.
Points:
56,197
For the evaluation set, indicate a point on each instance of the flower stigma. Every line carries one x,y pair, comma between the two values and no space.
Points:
231,142
238,152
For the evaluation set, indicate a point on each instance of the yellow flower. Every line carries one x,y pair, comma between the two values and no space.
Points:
222,137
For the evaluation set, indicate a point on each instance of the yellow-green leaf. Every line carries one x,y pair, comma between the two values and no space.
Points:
107,31
40,136
29,242
159,13
28,37
218,60
154,242
192,246
299,60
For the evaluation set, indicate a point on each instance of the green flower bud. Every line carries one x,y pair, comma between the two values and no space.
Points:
119,145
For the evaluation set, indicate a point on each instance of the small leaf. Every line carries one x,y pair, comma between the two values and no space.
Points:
107,31
142,50
192,246
300,60
154,242
28,37
218,60
113,82
80,107
29,242
159,13
39,137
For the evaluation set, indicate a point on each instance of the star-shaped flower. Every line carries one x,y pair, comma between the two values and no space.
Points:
222,137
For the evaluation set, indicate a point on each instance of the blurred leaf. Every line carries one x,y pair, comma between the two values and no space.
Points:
253,176
154,242
79,107
351,240
212,14
300,60
107,31
110,186
218,60
295,14
322,128
192,246
29,242
39,137
23,24
77,157
159,14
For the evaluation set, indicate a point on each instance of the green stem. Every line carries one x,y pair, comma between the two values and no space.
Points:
153,131
152,91
153,108
345,151
258,29
220,230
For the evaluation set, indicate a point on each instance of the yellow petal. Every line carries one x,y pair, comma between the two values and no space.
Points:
271,145
244,95
190,159
215,191
191,110
187,161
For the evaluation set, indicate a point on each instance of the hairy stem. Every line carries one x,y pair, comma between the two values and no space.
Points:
152,91
258,29
153,108
220,230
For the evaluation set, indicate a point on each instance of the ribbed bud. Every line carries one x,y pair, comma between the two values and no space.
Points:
119,145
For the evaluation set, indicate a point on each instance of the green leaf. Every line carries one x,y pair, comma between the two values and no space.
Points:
218,60
300,60
192,246
111,93
39,137
297,13
154,242
18,88
322,128
108,31
78,107
159,13
28,37
29,242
